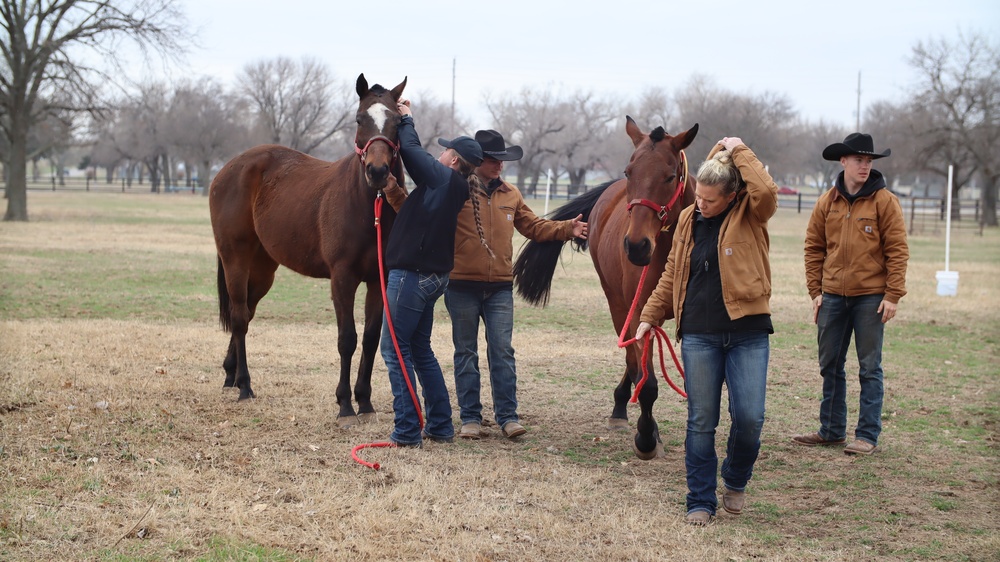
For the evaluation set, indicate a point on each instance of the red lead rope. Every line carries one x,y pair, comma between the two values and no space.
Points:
395,344
661,336
388,317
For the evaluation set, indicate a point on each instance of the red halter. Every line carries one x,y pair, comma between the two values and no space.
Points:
662,210
362,152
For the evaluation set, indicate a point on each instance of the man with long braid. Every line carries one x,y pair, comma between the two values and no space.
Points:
481,285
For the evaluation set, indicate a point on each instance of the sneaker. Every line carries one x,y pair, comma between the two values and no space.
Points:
733,501
699,518
860,447
471,430
813,439
513,429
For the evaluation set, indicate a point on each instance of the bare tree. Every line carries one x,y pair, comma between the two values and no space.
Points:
579,146
436,121
807,152
205,126
765,121
42,53
143,133
530,118
960,88
298,104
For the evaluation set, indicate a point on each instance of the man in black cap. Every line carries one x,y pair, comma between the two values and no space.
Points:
481,286
855,258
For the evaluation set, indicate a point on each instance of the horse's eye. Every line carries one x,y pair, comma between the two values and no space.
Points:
670,178
357,119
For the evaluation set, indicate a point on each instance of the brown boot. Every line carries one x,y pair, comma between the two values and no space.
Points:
860,447
733,501
813,439
699,518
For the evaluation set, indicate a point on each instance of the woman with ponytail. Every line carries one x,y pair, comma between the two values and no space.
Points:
717,285
419,255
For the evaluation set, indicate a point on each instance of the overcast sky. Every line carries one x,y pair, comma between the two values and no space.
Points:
810,51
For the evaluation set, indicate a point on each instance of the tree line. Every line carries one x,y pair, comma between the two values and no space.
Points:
54,106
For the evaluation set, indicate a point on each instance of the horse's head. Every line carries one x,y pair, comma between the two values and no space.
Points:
376,142
657,178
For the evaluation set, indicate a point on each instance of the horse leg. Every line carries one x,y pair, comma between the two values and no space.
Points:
246,286
623,392
229,364
342,294
237,280
647,444
260,281
369,347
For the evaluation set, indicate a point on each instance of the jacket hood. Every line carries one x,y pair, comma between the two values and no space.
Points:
876,181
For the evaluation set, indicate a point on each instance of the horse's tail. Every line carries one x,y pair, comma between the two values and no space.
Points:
536,263
225,318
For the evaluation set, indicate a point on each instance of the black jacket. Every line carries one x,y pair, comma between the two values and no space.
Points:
423,236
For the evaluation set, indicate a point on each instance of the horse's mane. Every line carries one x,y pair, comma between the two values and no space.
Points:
657,134
378,90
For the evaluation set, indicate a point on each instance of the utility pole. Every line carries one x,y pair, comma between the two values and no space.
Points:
858,123
452,96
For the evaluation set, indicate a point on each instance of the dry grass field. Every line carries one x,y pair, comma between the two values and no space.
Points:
117,441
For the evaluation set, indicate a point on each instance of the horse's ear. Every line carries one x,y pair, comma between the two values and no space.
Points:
362,86
684,140
633,131
398,90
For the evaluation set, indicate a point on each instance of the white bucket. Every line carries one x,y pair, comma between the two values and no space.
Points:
947,283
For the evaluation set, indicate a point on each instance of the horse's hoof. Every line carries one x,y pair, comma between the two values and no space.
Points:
656,453
344,422
367,417
617,424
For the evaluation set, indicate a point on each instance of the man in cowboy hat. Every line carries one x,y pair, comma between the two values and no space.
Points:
855,258
481,286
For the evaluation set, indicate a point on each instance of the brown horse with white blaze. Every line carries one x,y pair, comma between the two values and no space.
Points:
273,205
631,226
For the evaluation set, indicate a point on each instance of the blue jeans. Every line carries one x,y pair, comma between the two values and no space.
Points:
496,308
740,360
838,318
411,297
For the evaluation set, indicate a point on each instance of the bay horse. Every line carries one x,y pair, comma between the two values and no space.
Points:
273,205
631,226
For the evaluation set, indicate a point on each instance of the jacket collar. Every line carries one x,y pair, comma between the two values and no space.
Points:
876,181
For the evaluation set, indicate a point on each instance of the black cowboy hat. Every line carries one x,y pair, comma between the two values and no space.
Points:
466,148
495,147
855,143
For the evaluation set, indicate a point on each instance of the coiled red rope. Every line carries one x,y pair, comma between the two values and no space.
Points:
660,335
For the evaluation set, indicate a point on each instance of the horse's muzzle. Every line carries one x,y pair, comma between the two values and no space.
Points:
639,253
377,175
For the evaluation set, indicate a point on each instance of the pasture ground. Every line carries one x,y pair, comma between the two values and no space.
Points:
118,443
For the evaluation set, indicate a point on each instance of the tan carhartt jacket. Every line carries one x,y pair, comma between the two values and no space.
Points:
744,244
859,248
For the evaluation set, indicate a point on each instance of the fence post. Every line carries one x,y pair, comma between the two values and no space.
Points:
800,203
53,183
913,212
88,183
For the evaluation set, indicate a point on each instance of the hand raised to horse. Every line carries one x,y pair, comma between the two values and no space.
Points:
580,228
403,106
